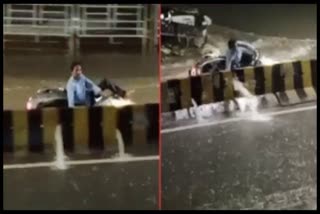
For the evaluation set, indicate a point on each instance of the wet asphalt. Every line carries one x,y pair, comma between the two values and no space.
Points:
243,164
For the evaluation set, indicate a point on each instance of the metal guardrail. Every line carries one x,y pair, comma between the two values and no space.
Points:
37,20
83,20
112,21
80,20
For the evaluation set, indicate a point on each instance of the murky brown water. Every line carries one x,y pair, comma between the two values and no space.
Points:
24,74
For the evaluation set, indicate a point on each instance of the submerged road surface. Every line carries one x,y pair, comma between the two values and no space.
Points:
131,185
243,164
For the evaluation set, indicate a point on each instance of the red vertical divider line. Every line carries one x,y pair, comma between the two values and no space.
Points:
160,141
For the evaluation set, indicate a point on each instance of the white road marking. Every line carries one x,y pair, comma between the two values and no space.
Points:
183,128
81,162
29,165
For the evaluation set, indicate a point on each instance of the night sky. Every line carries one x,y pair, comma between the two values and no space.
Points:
293,21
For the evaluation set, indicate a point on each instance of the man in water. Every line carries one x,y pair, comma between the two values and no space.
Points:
80,89
240,54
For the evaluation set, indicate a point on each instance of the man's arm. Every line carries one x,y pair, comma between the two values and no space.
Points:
70,94
249,47
228,61
96,89
246,44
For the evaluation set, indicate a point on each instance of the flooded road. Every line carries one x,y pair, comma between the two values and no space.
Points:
24,74
88,187
267,19
272,50
279,32
245,164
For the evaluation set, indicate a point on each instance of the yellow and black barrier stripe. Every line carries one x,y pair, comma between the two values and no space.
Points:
36,128
23,130
139,124
177,93
93,127
276,79
280,78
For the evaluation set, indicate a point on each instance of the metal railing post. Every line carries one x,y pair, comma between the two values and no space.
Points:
41,14
153,21
74,39
4,9
34,15
156,24
113,24
83,18
108,18
139,18
144,29
72,22
66,20
34,21
71,31
76,33
9,14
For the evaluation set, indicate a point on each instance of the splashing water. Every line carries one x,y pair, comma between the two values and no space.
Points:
117,102
210,50
197,111
272,49
120,144
121,156
238,86
268,61
121,102
60,156
248,101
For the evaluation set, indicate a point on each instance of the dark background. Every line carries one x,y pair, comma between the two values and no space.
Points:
286,20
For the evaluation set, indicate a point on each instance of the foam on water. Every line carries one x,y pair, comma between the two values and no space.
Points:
272,49
122,155
268,61
197,111
183,63
250,102
60,156
122,102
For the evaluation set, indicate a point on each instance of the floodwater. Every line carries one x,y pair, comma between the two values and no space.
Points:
272,50
295,21
243,165
248,165
24,74
288,34
108,186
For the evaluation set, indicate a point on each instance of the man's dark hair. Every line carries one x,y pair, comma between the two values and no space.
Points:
232,43
74,64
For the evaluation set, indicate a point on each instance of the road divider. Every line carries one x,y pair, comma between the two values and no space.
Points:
94,128
289,82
